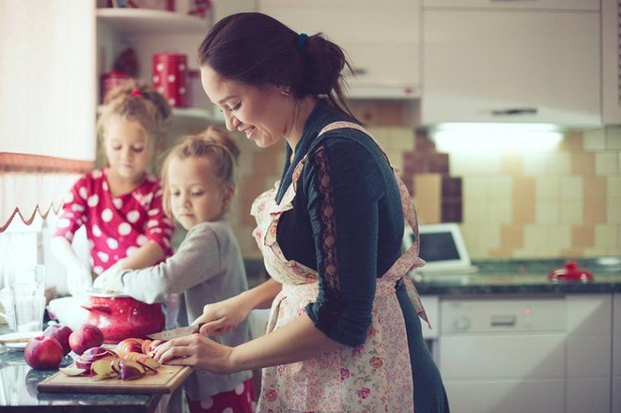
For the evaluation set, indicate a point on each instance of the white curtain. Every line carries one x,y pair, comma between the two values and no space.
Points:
47,101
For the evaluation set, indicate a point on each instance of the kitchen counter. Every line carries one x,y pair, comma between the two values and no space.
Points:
523,277
18,391
528,276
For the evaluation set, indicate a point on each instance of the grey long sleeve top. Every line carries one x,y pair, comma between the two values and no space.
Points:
207,267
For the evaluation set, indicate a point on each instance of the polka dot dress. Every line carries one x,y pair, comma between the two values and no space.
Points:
238,400
116,227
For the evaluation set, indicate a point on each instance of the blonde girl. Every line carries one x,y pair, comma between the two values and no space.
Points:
199,185
120,205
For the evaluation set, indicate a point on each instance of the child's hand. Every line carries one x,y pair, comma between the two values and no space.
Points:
110,280
221,317
79,280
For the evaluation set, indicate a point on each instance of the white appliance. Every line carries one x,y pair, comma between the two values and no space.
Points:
504,355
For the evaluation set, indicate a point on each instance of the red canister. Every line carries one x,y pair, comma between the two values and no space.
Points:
111,80
170,73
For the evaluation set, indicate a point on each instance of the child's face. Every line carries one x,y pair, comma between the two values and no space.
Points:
128,148
196,195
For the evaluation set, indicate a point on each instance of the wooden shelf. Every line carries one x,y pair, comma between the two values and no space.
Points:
142,21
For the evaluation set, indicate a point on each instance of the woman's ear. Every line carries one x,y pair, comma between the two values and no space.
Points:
284,90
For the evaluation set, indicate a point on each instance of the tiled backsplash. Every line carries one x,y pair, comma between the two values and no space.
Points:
564,203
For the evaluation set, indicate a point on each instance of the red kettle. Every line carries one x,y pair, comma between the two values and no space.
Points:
571,272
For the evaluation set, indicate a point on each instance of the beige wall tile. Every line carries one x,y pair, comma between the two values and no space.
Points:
428,189
607,238
501,187
524,210
613,186
613,207
511,237
613,138
606,163
547,187
583,163
512,164
535,164
582,236
476,211
571,212
559,163
500,211
559,237
572,142
594,140
571,187
548,211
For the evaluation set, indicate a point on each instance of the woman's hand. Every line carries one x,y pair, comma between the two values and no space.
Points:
222,317
197,351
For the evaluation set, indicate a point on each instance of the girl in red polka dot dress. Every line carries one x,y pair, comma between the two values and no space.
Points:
120,205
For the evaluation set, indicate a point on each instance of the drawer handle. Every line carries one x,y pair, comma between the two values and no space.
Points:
503,320
515,112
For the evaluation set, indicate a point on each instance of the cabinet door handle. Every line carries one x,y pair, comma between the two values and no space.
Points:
503,321
515,111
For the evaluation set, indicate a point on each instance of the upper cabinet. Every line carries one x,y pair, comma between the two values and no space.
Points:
611,61
382,40
150,32
511,61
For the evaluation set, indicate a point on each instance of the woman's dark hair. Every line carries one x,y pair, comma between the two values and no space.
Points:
258,50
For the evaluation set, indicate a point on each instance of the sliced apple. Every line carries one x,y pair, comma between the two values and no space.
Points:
72,371
128,345
102,369
148,362
131,370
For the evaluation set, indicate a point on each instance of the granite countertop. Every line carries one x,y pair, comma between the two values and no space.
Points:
528,276
18,391
524,277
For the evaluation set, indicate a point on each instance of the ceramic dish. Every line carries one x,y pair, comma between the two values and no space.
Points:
16,336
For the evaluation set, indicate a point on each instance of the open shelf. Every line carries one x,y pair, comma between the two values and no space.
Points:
142,21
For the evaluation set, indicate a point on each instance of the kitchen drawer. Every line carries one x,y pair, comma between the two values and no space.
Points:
591,5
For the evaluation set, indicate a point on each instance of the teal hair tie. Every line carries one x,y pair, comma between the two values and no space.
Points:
302,41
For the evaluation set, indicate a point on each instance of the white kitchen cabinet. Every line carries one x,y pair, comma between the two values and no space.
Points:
381,39
518,61
611,61
589,353
527,354
616,353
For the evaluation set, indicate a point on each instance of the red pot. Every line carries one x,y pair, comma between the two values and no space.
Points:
120,316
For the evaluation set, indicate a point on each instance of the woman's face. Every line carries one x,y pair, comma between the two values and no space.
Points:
263,114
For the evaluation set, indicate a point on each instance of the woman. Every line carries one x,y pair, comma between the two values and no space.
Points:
344,334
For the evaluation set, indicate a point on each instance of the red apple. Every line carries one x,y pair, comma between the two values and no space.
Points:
85,337
61,333
129,345
43,353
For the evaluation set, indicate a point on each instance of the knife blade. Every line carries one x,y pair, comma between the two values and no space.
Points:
175,332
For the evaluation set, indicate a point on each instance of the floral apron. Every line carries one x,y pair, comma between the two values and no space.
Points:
373,377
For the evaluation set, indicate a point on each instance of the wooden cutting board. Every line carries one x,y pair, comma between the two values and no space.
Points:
165,380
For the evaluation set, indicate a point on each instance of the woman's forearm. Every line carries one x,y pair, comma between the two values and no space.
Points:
299,340
262,295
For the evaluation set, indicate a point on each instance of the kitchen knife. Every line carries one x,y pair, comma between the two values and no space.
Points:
175,332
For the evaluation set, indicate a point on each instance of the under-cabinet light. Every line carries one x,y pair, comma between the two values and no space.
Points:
496,137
